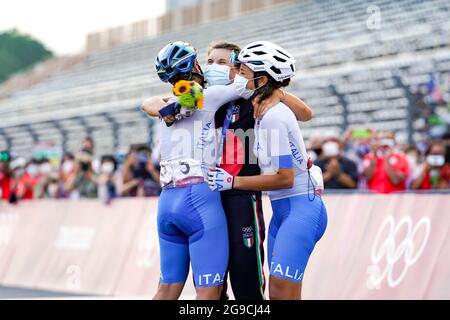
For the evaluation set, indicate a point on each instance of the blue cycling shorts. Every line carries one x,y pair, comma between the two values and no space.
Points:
192,228
297,225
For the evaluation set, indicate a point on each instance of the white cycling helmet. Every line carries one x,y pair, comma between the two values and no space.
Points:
269,57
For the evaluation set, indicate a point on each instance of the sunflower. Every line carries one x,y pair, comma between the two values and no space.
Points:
190,94
181,87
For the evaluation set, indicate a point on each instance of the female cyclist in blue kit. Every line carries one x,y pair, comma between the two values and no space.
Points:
192,227
299,215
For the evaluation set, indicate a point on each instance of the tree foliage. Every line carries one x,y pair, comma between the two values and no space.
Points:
19,52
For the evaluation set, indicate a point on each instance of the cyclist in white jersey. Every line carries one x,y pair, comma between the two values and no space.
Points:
192,227
299,216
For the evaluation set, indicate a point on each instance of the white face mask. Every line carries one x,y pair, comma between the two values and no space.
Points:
33,170
436,160
45,168
240,84
387,143
216,74
52,189
330,149
107,167
67,166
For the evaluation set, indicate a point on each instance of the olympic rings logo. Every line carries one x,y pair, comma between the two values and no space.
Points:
247,229
390,252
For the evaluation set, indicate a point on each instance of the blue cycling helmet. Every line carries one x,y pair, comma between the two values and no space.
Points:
176,60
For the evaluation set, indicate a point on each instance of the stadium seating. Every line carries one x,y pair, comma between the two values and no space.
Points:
350,74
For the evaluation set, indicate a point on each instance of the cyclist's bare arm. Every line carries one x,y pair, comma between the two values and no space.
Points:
301,110
152,105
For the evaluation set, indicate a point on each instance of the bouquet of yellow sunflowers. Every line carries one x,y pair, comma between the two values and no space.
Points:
189,93
190,98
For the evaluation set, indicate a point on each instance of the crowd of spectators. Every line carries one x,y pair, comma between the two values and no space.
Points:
374,161
361,159
80,175
367,160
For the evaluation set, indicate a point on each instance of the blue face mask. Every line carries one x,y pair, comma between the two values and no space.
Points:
216,74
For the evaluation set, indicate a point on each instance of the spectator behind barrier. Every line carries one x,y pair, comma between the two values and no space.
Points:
84,180
5,175
315,149
339,172
434,173
107,181
139,174
382,167
25,176
385,169
47,182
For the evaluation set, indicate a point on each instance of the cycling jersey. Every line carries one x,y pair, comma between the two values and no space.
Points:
299,216
191,222
194,137
279,144
243,208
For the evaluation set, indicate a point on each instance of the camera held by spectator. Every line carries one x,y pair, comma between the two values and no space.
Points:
385,169
140,175
339,172
107,179
84,180
435,172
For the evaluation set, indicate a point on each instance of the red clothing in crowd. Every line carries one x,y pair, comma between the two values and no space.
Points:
444,175
25,186
380,181
5,186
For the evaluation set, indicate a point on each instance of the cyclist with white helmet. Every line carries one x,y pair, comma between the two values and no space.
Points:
243,208
299,216
192,226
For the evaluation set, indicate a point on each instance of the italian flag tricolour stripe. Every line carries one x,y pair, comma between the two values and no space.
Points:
248,242
259,245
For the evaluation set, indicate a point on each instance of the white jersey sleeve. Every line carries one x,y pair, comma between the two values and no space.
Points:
217,96
279,145
273,144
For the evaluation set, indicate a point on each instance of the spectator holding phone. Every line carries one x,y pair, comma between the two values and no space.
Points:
339,172
48,187
107,185
24,179
139,174
356,143
84,180
434,172
65,172
47,182
385,169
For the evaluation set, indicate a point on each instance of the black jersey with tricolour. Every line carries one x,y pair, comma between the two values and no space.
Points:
238,158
